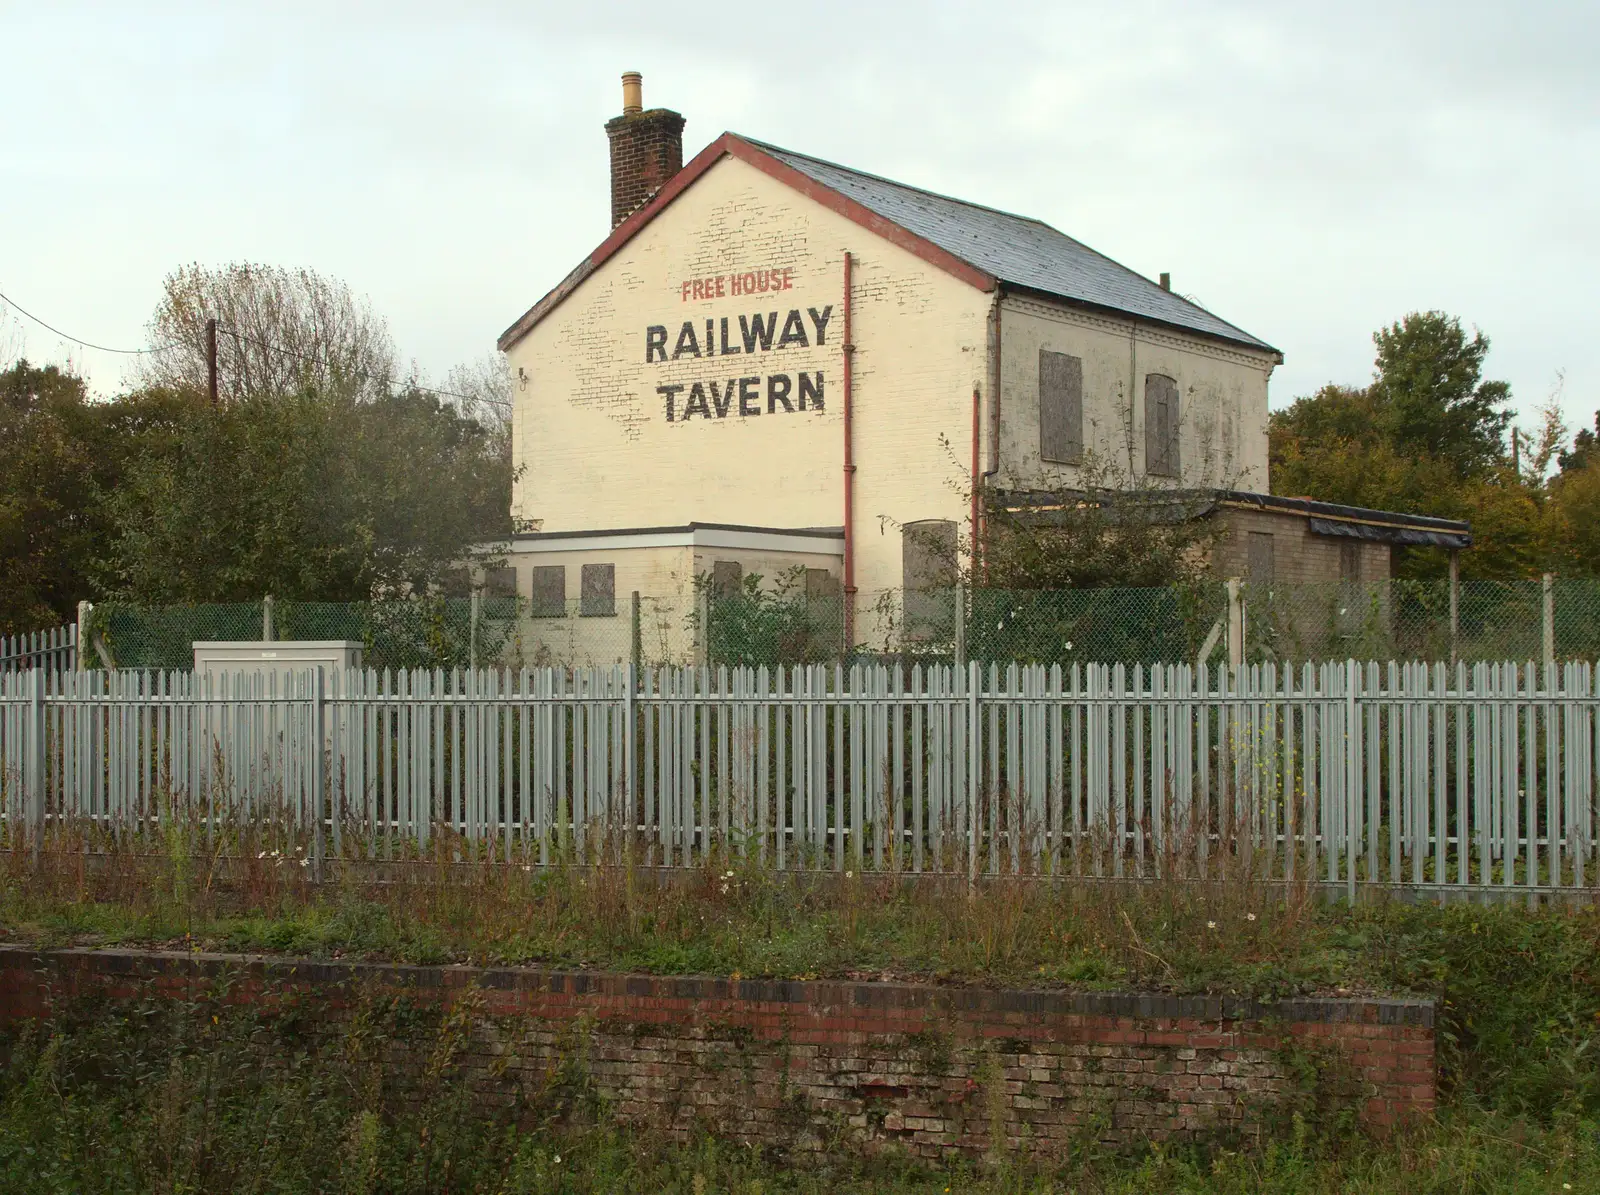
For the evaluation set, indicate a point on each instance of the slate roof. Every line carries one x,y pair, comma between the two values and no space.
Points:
1017,250
979,244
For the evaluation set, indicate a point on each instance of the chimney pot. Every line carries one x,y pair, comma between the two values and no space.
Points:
1166,280
632,93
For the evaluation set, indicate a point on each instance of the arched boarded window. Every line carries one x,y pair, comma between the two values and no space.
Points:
1161,426
1060,408
929,571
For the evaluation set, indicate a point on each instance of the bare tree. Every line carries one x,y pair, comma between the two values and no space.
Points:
279,331
12,340
481,390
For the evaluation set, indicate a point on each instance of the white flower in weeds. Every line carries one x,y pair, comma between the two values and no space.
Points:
1249,916
1211,925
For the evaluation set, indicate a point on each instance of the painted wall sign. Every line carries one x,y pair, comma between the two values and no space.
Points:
751,282
741,335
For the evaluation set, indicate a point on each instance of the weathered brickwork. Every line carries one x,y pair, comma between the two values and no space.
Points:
646,150
817,1065
1299,557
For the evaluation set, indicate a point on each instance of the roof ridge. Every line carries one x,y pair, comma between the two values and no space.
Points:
769,147
894,182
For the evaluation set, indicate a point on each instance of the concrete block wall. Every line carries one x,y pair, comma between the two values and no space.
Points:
817,1065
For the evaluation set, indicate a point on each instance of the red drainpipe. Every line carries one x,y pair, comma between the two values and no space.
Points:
977,477
849,475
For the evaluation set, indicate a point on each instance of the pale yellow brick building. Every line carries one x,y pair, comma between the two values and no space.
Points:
774,362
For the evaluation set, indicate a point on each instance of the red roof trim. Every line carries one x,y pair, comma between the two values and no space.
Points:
734,146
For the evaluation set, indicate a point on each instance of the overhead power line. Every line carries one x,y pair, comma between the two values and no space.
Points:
88,344
237,335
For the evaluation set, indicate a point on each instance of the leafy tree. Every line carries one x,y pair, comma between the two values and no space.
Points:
311,497
1144,537
1575,514
1431,396
43,496
60,455
1427,437
1583,450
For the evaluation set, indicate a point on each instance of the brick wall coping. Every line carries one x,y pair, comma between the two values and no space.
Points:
1375,1010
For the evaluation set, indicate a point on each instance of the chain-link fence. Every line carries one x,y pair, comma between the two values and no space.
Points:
1402,619
416,633
1527,619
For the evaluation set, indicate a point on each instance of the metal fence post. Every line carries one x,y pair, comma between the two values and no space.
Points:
1549,619
702,647
318,736
472,630
81,635
1235,624
630,760
635,632
974,770
1352,773
961,626
36,761
1455,606
266,618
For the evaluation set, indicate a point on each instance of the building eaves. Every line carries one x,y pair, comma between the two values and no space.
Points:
1171,505
980,245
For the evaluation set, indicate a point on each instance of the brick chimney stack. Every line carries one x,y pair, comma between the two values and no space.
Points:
646,150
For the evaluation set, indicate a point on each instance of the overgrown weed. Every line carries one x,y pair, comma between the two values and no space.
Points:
1519,989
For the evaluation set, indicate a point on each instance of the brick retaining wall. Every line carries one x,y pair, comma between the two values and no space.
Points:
813,1064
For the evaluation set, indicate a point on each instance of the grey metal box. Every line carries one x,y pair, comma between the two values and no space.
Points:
281,657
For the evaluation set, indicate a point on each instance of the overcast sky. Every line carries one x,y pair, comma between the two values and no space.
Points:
1308,172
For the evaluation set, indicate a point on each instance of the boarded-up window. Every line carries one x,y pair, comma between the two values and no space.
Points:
1160,426
549,593
1060,407
597,597
929,571
821,585
456,582
500,582
1259,562
1350,561
727,578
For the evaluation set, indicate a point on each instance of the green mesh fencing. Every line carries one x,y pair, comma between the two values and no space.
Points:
405,634
755,628
1092,625
1403,619
1411,620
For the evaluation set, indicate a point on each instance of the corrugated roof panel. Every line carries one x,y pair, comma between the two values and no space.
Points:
1015,249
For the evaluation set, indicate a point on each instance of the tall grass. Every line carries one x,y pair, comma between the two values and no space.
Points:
203,1098
138,1099
1519,989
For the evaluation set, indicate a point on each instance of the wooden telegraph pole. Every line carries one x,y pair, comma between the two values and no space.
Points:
211,360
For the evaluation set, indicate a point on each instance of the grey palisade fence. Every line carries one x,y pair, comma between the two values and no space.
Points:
1344,774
